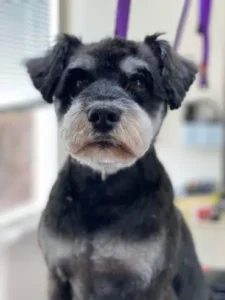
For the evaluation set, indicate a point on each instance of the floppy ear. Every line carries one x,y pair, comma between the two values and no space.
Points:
177,73
45,72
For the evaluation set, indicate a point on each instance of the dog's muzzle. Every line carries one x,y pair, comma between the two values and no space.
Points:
106,134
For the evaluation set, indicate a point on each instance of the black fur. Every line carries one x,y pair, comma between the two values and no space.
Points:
136,203
46,71
177,73
90,212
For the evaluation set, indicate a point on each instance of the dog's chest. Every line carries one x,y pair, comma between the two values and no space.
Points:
105,263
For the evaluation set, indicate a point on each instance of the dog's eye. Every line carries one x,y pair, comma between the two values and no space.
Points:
82,84
73,82
136,84
77,79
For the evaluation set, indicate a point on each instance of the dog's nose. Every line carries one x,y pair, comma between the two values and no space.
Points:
104,119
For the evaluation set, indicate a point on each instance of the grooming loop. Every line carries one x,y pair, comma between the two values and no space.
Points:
122,18
203,29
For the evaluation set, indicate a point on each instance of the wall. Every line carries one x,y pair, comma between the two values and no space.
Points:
95,19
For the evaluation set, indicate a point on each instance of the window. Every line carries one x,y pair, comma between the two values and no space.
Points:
28,140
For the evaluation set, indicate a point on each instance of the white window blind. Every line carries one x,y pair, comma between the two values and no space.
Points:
25,31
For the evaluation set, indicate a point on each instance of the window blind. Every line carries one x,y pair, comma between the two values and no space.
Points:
24,32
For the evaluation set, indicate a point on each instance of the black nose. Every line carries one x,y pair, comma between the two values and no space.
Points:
104,119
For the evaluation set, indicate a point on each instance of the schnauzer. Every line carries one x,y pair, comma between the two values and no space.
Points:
110,229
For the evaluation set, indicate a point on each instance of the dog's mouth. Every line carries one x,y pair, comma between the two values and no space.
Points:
105,150
106,145
103,144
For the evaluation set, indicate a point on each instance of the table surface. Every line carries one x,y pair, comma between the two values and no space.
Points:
209,236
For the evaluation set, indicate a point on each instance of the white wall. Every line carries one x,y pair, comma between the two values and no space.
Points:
95,19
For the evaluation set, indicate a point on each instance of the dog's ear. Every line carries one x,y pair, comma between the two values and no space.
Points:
45,72
177,73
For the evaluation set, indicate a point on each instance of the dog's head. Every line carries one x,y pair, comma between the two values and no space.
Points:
111,97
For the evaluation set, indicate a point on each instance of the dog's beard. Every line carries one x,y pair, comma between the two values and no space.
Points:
112,151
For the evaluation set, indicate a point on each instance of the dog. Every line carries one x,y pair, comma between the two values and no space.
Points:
110,229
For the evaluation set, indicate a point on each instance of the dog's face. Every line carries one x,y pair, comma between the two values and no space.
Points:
111,97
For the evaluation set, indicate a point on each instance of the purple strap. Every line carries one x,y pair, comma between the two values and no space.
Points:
181,24
205,8
122,18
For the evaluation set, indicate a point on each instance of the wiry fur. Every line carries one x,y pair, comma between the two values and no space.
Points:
135,132
117,236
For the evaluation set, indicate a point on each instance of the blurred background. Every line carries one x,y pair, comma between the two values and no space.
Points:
190,145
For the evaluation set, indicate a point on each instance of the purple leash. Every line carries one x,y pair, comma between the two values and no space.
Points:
205,8
122,18
181,24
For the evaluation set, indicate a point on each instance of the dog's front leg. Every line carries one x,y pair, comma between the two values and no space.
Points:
59,289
